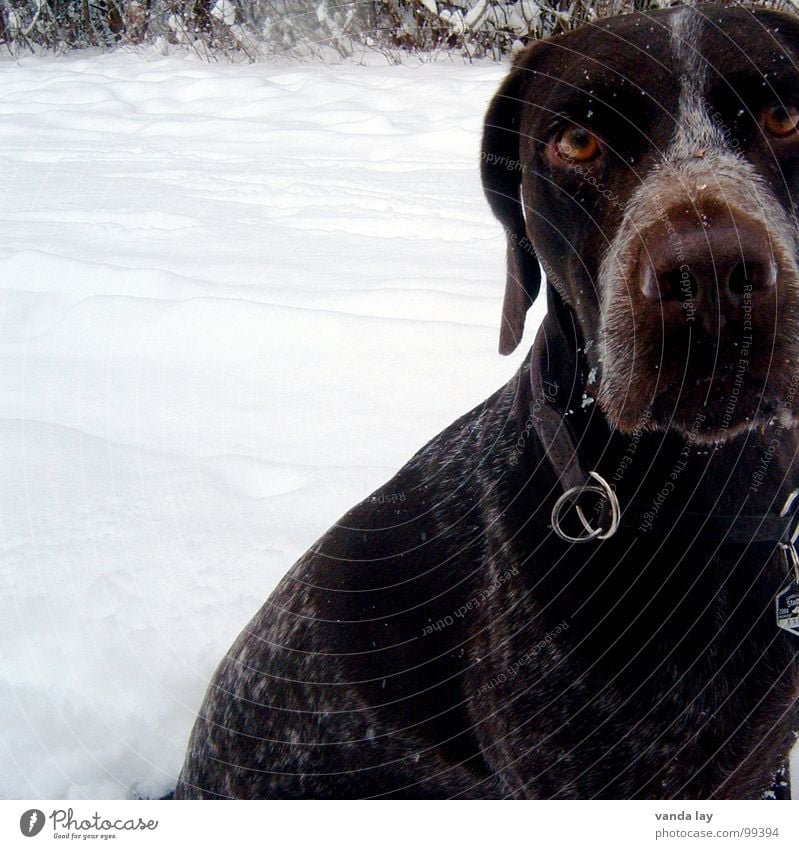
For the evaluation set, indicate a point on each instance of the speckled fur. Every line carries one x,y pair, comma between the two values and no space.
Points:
450,645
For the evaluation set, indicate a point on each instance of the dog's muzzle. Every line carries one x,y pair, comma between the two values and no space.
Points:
700,303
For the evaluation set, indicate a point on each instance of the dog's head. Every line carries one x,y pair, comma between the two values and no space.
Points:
651,163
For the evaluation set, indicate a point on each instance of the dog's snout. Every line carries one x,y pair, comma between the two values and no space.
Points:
713,272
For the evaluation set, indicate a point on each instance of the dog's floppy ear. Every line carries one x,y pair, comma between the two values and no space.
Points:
501,170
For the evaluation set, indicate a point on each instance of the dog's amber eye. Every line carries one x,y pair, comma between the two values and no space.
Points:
577,144
781,121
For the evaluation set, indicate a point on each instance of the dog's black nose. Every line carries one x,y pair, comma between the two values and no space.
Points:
709,273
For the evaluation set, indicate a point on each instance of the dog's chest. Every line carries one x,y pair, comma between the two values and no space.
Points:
658,682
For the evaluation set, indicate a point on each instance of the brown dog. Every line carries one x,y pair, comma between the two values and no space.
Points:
465,642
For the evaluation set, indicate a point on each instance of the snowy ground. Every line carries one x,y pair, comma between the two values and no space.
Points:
233,301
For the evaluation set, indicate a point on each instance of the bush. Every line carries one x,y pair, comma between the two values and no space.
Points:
301,27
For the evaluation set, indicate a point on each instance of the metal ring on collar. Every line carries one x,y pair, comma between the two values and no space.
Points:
570,496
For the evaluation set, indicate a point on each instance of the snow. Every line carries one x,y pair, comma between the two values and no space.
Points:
234,300
225,12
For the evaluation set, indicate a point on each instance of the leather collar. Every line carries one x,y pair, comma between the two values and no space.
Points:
555,423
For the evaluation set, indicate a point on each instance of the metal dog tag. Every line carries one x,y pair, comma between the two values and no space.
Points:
788,599
788,608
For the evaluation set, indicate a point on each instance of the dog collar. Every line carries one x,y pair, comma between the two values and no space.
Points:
578,486
736,529
587,497
581,484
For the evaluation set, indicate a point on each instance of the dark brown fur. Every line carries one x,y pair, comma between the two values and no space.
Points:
450,644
